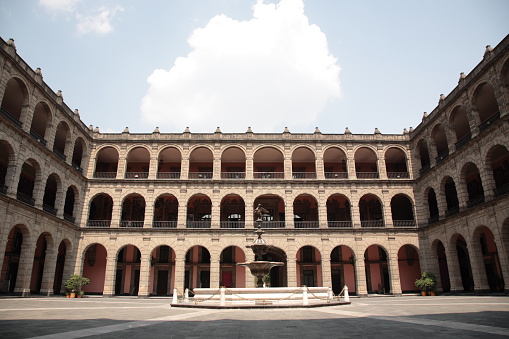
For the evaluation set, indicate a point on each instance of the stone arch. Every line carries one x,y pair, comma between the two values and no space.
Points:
438,248
339,212
63,253
29,179
15,100
423,155
309,266
44,243
335,163
409,267
199,211
52,193
127,272
396,163
133,210
14,251
278,274
303,163
232,275
79,154
268,162
201,162
305,211
371,211
402,210
232,211
41,122
162,270
95,256
366,163
342,261
439,137
463,259
137,162
471,178
233,163
106,162
275,205
497,162
377,270
169,163
62,139
100,211
197,267
486,253
7,160
485,102
460,126
166,208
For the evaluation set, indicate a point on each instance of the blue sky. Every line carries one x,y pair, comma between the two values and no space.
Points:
239,63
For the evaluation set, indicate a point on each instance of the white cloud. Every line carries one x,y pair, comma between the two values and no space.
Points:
99,23
59,5
272,71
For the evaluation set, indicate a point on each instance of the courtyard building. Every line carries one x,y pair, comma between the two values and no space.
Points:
144,214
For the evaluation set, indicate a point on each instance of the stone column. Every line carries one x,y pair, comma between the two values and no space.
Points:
322,208
109,276
360,275
248,209
394,272
291,270
148,218
216,166
12,178
454,269
182,214
289,209
386,208
116,213
152,171
249,167
122,167
143,290
180,268
354,209
184,172
326,271
48,275
287,167
71,265
320,171
478,270
382,170
215,270
26,263
215,208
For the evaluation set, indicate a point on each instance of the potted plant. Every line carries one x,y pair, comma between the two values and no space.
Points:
427,283
75,283
266,280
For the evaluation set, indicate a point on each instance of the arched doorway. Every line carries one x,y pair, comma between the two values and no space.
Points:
12,256
94,268
467,279
377,270
197,272
309,263
127,276
443,267
232,275
162,269
342,261
44,242
59,267
488,249
409,268
278,274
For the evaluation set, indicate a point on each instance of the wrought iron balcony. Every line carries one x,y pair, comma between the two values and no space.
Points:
10,117
59,154
452,211
460,143
306,224
398,175
200,175
269,175
3,189
475,201
340,224
304,175
105,175
164,224
233,175
501,190
25,198
336,175
433,219
69,218
372,223
131,223
49,209
136,175
198,224
38,137
232,224
490,121
367,175
77,167
272,224
442,156
424,169
168,175
403,223
99,223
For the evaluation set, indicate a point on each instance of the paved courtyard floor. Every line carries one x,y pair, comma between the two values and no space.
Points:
382,317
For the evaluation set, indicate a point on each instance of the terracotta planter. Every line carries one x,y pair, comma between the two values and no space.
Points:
423,293
67,296
432,294
72,295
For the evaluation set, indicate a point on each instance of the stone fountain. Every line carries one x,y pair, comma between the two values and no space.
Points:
259,267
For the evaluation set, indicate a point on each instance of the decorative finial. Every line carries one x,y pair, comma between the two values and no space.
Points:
249,130
488,50
442,98
411,129
347,131
286,130
11,43
187,130
317,130
405,131
157,130
91,127
126,130
96,130
76,112
424,115
462,76
218,130
377,131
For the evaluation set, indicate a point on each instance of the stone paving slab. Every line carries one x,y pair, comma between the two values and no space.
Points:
406,317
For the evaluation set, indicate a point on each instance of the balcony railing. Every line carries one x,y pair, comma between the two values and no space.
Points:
232,224
398,175
105,175
475,201
38,137
452,211
336,175
10,117
442,156
49,209
340,224
69,218
372,223
269,175
131,223
3,189
488,122
501,190
403,223
164,224
272,224
367,175
59,154
424,169
168,175
460,143
99,223
77,167
306,224
304,175
136,175
233,175
433,219
200,175
198,224
25,198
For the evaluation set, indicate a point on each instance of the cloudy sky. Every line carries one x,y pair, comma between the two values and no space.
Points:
264,64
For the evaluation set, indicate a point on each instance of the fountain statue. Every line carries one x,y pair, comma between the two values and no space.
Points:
259,267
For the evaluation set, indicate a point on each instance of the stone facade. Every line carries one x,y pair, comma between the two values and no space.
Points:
146,213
